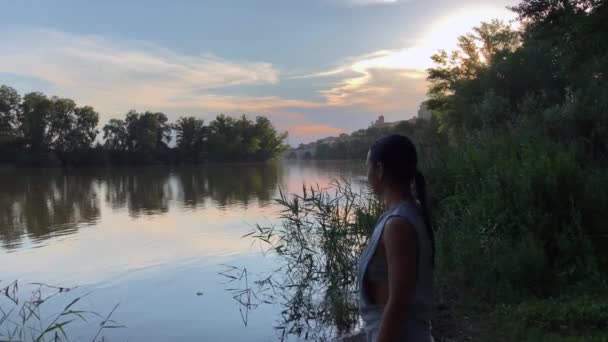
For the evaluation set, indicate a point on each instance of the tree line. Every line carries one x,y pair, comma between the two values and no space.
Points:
356,144
519,187
37,130
549,76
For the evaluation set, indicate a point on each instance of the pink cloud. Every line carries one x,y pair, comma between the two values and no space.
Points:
307,132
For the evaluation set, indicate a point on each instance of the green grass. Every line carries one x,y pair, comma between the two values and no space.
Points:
566,319
23,320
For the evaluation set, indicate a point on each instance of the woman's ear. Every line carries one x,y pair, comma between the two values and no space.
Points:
379,172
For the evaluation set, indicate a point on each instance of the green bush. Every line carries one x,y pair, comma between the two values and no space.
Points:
516,214
580,318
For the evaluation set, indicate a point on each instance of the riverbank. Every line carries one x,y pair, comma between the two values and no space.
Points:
516,217
518,259
563,320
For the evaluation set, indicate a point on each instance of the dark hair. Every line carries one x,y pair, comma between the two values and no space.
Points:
398,156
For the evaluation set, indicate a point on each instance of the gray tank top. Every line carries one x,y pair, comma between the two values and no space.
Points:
417,328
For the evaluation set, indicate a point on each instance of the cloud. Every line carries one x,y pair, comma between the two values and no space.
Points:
380,90
395,80
309,132
115,75
381,81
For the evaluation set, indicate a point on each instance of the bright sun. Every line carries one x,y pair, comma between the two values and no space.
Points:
442,35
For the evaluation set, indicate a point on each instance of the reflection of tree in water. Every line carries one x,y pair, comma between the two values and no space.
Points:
45,203
228,184
144,191
238,184
149,191
194,189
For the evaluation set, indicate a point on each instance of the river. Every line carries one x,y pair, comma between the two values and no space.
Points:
152,239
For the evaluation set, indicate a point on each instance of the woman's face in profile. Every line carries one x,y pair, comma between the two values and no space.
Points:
374,175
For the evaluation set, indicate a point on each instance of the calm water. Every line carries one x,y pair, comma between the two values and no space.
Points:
150,239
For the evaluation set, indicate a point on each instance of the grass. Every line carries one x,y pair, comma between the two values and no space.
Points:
517,259
517,217
581,318
23,320
318,243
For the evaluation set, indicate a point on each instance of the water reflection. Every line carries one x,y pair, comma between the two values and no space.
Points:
153,238
227,185
143,191
43,203
39,204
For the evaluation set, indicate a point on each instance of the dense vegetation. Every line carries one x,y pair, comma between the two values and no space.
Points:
36,130
355,145
516,159
520,189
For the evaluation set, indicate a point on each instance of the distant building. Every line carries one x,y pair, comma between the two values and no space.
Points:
328,140
380,123
424,112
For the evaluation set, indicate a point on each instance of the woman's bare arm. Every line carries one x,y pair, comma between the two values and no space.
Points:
399,239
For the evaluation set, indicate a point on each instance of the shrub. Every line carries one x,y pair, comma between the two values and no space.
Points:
516,214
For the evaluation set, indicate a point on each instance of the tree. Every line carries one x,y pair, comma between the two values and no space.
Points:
271,143
10,102
324,151
147,131
56,129
533,12
85,128
242,139
61,123
191,136
573,36
34,122
461,77
222,140
115,135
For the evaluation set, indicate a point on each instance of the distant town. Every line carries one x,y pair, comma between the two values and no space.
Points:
312,150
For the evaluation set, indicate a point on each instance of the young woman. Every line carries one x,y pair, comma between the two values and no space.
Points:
396,267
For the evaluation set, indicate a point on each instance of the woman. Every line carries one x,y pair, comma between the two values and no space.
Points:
396,267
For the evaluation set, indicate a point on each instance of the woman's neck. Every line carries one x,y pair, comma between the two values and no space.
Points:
392,197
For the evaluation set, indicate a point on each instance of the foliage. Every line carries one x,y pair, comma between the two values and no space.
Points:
36,130
517,215
9,107
545,75
191,135
241,139
320,239
115,135
23,320
557,319
355,146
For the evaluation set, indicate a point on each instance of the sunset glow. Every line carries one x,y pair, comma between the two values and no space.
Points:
116,71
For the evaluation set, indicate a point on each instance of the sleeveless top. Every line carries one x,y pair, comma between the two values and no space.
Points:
417,327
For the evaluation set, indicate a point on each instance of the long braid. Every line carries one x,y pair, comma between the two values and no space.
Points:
426,213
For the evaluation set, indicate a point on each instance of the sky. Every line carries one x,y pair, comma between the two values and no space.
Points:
316,68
